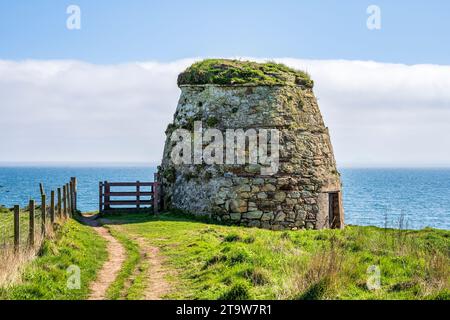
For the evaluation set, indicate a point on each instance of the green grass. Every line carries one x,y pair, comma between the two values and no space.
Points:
211,261
227,262
235,72
119,288
46,276
7,225
138,282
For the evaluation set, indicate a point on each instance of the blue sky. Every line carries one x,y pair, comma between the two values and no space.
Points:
384,94
413,32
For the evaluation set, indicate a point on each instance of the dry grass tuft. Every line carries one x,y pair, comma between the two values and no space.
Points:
13,261
318,278
437,274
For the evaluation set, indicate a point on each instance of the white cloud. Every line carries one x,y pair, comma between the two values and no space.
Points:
378,114
384,114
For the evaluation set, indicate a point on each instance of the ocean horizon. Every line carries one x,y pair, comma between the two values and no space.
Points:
413,198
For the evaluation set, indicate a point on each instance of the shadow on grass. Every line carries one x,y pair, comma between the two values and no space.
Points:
130,217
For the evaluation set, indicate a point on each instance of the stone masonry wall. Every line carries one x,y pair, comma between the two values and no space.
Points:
296,197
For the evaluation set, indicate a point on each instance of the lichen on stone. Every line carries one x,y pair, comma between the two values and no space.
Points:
236,72
212,121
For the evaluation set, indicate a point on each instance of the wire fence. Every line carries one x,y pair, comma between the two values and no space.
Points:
23,228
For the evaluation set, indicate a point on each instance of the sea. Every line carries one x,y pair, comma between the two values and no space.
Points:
394,198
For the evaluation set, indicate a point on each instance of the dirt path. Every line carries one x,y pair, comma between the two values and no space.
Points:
157,286
111,267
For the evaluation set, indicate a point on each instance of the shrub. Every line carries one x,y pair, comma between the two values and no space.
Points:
316,291
258,276
443,295
249,239
238,255
239,290
232,237
214,259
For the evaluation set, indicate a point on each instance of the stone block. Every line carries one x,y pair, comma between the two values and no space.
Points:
252,215
262,195
235,216
280,196
269,187
267,216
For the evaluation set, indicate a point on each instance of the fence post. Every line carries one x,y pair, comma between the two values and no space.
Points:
155,197
41,188
44,213
100,197
59,203
68,199
71,197
138,195
74,182
31,207
107,196
65,201
52,207
16,228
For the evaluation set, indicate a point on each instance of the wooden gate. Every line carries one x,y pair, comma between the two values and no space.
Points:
144,195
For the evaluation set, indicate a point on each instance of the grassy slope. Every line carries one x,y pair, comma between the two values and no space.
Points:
7,225
215,262
46,276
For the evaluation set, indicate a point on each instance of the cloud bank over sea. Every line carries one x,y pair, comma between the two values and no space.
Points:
379,114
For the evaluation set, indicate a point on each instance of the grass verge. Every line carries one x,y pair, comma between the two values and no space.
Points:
47,276
227,262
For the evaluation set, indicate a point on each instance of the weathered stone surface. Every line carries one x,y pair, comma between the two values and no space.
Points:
267,216
258,181
252,206
238,193
254,223
262,195
252,215
219,201
280,216
309,225
235,216
280,196
269,187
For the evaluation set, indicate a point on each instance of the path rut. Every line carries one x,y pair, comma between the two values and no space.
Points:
157,286
111,268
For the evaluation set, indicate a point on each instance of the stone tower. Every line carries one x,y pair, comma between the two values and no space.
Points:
305,189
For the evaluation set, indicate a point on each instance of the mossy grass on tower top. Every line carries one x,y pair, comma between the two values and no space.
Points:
236,72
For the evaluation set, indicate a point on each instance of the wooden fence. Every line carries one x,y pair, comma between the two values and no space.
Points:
138,198
36,220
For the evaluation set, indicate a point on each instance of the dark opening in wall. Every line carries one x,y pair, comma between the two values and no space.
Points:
334,210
